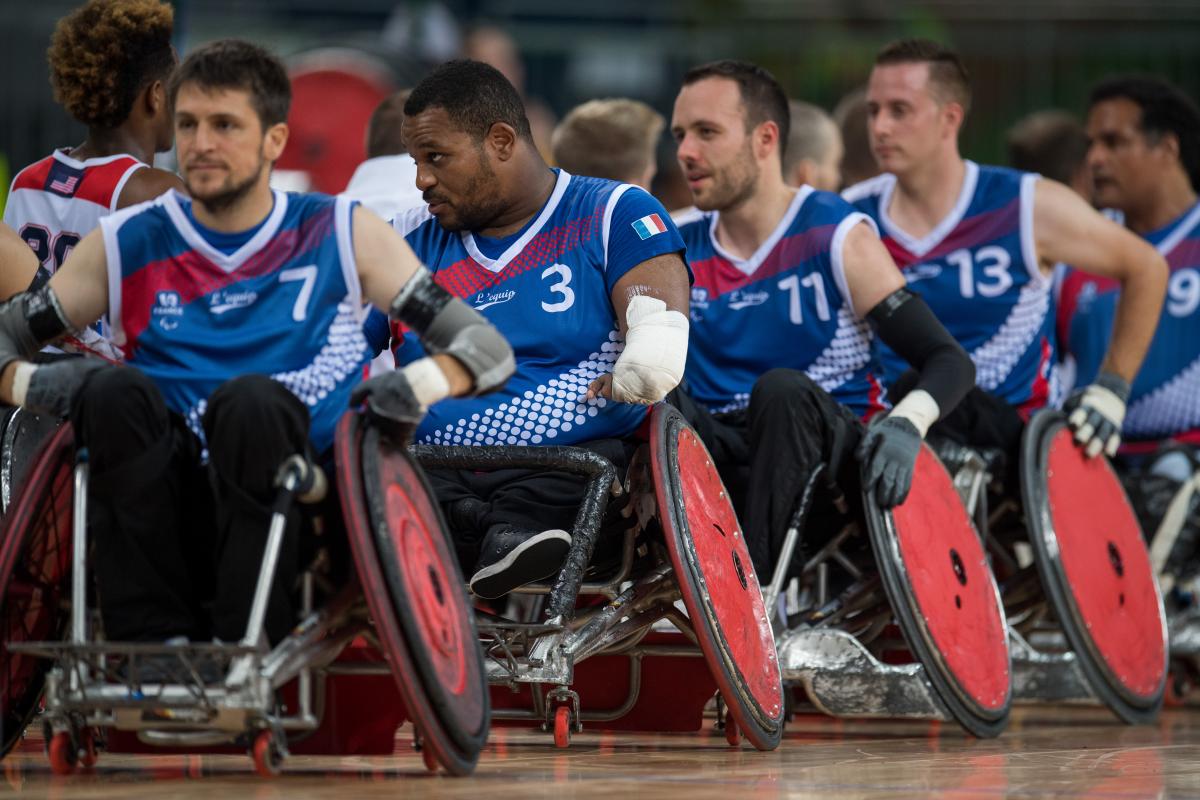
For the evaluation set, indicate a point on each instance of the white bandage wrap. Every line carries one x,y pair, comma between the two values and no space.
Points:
427,380
1109,405
655,352
919,408
20,386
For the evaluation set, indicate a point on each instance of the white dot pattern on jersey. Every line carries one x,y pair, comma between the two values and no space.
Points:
1170,409
847,353
540,414
344,352
995,358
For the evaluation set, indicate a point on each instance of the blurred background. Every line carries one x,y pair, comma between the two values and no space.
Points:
345,55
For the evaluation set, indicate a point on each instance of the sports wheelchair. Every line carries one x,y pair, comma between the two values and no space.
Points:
681,604
404,599
897,614
1083,606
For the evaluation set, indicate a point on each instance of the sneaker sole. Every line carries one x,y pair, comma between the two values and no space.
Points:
534,559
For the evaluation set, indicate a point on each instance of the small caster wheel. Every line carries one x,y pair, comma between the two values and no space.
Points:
64,756
268,759
88,752
732,734
1179,686
431,762
562,727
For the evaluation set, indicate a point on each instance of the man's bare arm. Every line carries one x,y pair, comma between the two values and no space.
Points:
1069,231
18,263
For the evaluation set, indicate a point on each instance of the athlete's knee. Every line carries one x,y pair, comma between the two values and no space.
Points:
242,405
784,387
119,404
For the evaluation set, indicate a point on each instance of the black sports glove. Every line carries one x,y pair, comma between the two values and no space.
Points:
1096,413
53,386
390,400
888,453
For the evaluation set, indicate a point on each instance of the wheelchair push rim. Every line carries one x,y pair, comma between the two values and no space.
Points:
415,593
1095,568
35,575
942,591
716,579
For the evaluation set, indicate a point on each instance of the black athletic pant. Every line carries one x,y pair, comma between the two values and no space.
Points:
474,502
177,545
767,453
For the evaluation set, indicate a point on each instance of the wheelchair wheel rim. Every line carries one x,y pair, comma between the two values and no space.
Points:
35,570
946,601
1096,568
717,579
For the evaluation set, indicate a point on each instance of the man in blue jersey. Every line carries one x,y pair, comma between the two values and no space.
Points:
240,316
980,243
789,284
1144,160
585,278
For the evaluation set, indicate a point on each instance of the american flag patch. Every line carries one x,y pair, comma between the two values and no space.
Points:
63,181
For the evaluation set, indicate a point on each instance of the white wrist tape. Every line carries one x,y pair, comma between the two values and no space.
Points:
427,380
919,408
21,377
655,352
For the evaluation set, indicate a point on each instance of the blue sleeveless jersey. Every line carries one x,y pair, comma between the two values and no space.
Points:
787,305
287,304
1165,401
549,293
978,271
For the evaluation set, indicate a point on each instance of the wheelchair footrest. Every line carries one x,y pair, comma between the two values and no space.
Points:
843,679
1040,676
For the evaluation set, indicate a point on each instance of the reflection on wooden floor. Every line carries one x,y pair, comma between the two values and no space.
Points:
1047,752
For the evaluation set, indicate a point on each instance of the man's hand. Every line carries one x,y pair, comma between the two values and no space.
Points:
390,400
1097,412
52,386
888,453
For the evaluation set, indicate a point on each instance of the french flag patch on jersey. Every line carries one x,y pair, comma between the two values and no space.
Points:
648,226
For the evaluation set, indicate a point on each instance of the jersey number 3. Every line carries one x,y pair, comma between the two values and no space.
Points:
562,288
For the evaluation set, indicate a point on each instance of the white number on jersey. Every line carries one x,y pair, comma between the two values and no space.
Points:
993,261
814,281
563,288
1183,292
309,276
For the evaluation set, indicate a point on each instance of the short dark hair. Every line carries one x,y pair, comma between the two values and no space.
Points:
105,52
761,94
946,69
237,64
385,135
1165,109
1051,143
474,95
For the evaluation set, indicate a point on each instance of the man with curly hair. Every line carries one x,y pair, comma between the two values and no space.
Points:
109,64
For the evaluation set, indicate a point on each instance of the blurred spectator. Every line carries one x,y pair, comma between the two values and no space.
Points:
814,149
858,164
1054,144
614,138
386,182
495,47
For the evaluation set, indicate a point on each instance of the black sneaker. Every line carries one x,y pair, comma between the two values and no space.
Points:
513,557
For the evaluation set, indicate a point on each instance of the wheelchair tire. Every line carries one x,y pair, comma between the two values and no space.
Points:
35,579
21,436
416,594
942,591
1095,569
716,578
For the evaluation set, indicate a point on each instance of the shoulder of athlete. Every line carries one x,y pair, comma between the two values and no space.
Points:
147,184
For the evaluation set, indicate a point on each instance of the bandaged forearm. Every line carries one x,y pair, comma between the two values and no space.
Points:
904,322
27,322
652,363
445,324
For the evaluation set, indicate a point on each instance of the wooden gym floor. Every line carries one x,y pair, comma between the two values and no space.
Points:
1046,752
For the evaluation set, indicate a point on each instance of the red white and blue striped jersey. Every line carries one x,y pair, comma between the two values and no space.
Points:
787,305
548,289
1165,401
286,303
979,272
